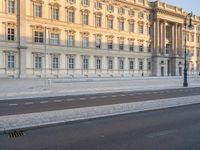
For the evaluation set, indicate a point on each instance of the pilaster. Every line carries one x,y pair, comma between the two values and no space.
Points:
21,24
164,37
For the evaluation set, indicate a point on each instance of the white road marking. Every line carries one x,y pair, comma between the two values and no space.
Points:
71,99
57,101
155,92
160,133
122,95
103,96
131,94
93,97
44,102
29,103
83,98
147,93
139,93
13,104
113,95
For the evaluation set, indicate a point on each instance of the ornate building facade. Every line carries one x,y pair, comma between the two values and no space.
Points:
94,38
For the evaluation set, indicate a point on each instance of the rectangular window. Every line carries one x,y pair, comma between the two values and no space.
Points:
168,47
85,63
11,34
11,61
141,29
72,1
55,13
54,39
110,64
110,8
141,48
131,13
198,39
110,24
110,44
98,5
121,64
140,65
141,1
192,38
188,37
38,62
86,2
85,42
121,45
71,41
131,65
150,30
38,11
55,62
121,26
131,46
98,43
98,21
38,37
11,6
121,10
71,16
149,48
98,63
149,65
71,62
140,15
198,52
85,19
131,27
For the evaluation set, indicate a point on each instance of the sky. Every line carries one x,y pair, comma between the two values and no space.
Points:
187,5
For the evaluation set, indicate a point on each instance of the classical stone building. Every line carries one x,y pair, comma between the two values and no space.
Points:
93,38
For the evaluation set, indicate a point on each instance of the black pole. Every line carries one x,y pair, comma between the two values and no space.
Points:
185,83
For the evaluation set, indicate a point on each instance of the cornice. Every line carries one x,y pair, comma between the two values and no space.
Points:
163,11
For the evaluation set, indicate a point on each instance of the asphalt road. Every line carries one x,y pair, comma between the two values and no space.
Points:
168,129
10,107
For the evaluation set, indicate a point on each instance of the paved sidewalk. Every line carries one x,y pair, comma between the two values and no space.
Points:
30,88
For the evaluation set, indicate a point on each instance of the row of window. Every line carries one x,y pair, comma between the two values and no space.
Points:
38,63
191,52
191,37
54,39
55,10
97,4
85,18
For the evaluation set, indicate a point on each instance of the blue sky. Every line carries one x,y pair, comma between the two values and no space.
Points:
188,5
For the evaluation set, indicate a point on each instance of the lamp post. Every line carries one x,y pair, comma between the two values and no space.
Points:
45,55
185,83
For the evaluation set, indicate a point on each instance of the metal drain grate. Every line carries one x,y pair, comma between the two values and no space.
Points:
16,134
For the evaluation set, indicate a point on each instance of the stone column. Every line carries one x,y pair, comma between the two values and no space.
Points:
157,35
164,37
173,41
181,39
161,38
175,38
21,26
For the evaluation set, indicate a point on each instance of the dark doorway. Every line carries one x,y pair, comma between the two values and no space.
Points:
180,71
162,71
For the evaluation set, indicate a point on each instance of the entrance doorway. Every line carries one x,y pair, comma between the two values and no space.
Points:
180,71
168,67
162,71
